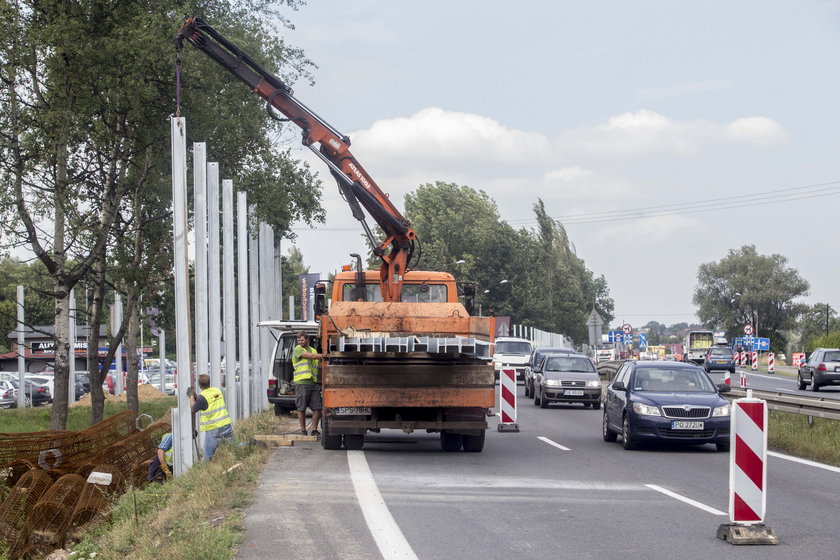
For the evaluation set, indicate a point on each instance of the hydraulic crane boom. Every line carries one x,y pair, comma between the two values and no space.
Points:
356,185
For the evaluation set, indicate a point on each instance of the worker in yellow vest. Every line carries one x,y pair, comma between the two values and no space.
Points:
305,380
161,464
212,414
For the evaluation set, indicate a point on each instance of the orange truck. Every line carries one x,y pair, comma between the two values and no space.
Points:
404,351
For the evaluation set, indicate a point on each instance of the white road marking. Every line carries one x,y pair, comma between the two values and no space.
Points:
555,444
689,501
804,462
385,531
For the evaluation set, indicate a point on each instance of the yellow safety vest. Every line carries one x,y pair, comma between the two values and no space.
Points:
304,367
167,455
216,414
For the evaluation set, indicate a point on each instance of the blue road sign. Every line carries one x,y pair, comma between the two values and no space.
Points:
627,338
643,340
763,343
616,336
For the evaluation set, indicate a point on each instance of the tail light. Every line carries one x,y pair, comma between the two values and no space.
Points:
272,383
7,393
821,367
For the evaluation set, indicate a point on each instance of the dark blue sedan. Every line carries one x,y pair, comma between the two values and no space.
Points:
665,402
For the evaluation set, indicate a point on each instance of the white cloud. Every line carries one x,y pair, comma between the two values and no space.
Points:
640,121
758,130
684,88
568,174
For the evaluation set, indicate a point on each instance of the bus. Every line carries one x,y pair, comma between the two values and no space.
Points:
696,346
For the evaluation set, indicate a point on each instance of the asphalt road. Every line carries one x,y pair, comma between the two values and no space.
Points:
554,489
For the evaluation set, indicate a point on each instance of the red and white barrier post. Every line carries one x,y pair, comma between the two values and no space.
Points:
744,358
747,475
726,378
736,357
771,362
507,401
743,380
754,360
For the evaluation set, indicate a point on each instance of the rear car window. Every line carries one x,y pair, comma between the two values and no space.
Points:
832,357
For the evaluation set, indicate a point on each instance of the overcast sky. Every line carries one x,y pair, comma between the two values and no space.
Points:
712,122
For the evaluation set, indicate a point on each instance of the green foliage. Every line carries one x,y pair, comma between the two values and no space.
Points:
747,288
39,305
292,265
830,340
78,417
816,321
548,285
792,434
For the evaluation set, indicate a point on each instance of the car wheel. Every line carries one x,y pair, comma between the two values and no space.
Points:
354,441
801,382
450,441
625,434
527,392
536,398
609,435
814,386
6,405
543,402
596,405
586,405
474,444
722,447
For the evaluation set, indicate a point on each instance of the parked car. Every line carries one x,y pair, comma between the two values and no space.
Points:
35,394
281,392
567,378
821,369
8,394
169,382
44,379
534,360
719,358
109,385
665,402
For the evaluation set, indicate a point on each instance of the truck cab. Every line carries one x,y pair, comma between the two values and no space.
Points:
512,353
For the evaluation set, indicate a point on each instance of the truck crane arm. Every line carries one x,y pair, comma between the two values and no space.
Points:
357,187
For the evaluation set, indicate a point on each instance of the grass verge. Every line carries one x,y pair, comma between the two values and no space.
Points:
791,434
197,515
78,416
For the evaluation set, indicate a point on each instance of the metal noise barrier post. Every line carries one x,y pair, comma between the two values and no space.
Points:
507,401
748,475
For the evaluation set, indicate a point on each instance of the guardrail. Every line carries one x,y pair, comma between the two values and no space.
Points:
807,406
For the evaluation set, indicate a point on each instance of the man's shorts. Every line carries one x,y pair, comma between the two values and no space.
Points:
308,396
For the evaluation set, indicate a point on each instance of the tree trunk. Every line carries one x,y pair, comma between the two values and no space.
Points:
131,351
62,296
97,374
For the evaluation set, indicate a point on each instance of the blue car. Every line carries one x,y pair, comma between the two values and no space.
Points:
719,358
665,402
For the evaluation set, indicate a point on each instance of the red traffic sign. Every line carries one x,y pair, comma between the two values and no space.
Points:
627,328
748,330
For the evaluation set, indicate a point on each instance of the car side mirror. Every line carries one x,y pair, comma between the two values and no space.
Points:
724,388
619,386
320,306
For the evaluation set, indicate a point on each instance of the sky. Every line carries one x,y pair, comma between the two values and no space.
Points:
661,134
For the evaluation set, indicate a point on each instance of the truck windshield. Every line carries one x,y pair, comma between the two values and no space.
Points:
512,347
416,293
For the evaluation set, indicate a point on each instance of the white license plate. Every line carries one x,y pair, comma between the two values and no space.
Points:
573,392
351,410
686,425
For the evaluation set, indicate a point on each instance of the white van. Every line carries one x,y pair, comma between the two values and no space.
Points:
511,352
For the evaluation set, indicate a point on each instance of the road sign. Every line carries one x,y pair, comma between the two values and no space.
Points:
615,336
628,339
627,328
748,330
762,344
643,340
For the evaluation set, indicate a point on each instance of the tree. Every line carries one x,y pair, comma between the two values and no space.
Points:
816,321
292,266
83,88
747,288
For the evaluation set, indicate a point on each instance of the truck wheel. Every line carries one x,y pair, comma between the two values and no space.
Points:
329,441
450,441
474,444
354,442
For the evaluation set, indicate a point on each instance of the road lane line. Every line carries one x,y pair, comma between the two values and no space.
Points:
385,531
689,501
804,462
555,444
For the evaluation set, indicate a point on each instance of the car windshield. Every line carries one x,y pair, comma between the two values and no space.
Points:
832,357
513,347
681,380
568,363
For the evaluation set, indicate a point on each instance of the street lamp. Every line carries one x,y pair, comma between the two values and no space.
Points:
448,266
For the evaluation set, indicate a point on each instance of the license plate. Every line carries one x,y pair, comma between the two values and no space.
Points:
686,425
573,392
351,410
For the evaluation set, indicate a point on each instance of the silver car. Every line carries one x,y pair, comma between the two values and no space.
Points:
821,369
8,394
567,378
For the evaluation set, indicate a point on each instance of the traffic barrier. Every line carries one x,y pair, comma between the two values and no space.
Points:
754,360
507,401
726,378
748,474
736,357
744,358
771,363
743,380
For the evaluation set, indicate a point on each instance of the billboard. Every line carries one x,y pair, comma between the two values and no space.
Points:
307,295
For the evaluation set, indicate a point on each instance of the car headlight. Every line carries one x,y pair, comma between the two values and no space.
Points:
594,383
722,410
552,382
645,409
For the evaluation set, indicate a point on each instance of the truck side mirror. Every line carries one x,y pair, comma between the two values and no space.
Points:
469,297
320,300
